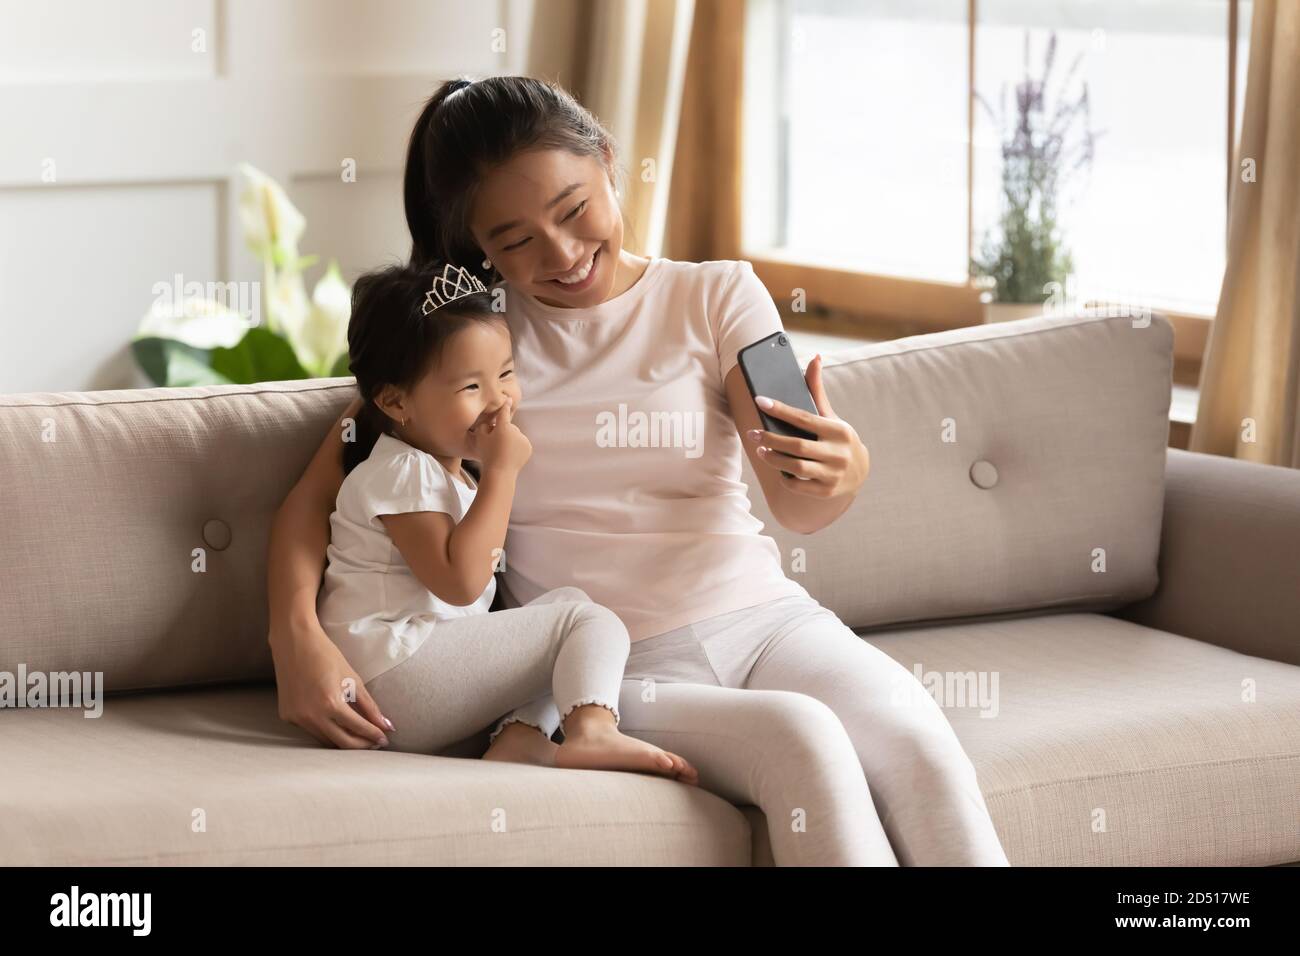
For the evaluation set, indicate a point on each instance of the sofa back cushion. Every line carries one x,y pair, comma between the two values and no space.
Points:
134,526
1014,466
135,523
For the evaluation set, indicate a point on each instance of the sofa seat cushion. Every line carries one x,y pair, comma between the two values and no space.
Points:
125,788
1119,745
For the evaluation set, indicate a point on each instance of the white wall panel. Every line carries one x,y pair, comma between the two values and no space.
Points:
360,224
79,40
119,146
77,272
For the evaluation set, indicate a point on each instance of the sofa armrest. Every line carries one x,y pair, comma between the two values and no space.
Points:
1229,556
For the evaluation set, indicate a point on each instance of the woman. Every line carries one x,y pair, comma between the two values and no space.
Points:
637,413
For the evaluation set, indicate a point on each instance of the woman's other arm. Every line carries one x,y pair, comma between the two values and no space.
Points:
311,673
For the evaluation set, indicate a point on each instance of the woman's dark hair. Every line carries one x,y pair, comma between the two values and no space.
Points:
468,127
392,342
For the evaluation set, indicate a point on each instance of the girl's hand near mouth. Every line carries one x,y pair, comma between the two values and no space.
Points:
499,444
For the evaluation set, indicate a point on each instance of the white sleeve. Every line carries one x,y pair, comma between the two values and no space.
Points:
411,481
745,314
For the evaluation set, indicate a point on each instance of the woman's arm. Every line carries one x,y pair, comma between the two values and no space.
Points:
840,462
311,673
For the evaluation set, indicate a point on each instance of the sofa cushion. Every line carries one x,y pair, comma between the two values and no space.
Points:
1007,462
126,788
107,525
1118,745
1096,721
107,496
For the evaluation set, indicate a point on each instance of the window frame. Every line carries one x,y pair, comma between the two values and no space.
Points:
910,304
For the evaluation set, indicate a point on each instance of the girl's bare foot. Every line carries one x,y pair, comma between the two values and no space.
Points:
606,748
522,743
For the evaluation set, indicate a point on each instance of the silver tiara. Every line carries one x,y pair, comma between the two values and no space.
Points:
454,283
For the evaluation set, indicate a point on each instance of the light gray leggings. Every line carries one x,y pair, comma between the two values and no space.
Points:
780,706
555,653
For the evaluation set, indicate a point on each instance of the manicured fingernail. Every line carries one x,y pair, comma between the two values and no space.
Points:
763,401
389,724
762,450
754,434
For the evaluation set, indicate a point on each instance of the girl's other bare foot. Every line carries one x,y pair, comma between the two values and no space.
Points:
522,743
594,742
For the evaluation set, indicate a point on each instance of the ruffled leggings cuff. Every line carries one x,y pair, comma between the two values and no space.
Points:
591,700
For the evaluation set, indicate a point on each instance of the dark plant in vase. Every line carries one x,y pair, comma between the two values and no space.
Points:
1025,253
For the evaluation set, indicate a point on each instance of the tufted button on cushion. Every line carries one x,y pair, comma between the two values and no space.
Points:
984,474
216,533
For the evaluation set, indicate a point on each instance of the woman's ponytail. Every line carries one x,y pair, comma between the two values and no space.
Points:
419,194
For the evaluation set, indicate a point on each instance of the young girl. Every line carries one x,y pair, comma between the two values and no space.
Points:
417,533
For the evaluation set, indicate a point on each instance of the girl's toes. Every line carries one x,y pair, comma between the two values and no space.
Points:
683,770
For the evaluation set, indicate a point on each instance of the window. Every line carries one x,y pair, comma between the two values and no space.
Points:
858,115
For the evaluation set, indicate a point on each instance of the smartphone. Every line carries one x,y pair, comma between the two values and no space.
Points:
770,369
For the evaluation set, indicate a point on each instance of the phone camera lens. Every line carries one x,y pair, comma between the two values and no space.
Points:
782,340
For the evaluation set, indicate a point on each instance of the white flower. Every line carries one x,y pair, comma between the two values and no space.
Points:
286,301
272,224
324,335
197,322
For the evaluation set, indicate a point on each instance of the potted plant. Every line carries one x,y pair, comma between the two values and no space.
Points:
192,338
1025,253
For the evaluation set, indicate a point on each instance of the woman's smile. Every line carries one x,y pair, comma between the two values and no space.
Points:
583,280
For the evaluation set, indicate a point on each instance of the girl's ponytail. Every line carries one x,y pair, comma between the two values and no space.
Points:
370,424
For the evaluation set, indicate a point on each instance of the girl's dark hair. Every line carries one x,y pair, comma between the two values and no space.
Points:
392,342
468,127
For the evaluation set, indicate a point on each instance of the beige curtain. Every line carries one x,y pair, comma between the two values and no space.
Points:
633,79
1250,379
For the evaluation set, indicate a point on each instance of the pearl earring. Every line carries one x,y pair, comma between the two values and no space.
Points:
487,263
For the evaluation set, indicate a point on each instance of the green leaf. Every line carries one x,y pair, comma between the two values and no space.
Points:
342,368
175,364
261,356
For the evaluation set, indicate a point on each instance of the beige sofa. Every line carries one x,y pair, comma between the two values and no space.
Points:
1132,615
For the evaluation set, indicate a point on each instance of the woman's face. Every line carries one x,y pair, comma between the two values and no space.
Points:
550,214
466,388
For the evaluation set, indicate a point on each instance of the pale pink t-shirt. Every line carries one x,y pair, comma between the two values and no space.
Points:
634,491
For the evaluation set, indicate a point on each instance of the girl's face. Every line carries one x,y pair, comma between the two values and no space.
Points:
468,386
549,214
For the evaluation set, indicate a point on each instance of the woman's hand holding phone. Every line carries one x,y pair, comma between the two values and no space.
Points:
835,463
